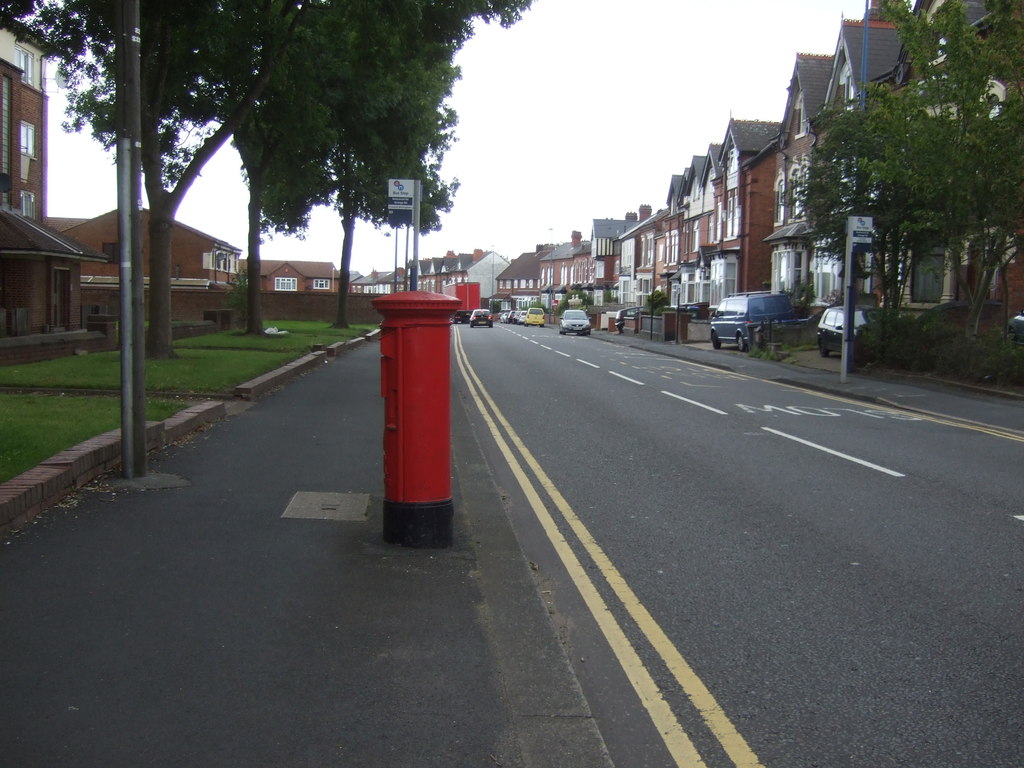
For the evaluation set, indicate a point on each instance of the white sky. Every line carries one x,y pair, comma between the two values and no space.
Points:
584,110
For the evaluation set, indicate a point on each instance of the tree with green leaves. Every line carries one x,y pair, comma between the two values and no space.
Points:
203,67
379,76
864,165
970,77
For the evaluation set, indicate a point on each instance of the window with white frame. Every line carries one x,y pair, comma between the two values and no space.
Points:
732,215
321,284
28,139
286,284
625,290
647,252
28,205
723,278
26,62
780,198
803,123
796,178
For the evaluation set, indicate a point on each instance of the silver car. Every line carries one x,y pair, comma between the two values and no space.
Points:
1016,328
574,321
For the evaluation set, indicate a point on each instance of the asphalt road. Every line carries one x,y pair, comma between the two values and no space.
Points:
802,579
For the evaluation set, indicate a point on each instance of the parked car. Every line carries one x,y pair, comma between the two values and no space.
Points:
736,315
830,328
534,316
629,313
516,318
1016,328
481,317
574,321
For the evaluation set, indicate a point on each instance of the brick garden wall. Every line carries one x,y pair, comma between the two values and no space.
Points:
276,305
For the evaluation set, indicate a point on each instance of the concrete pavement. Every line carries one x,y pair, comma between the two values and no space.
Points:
249,614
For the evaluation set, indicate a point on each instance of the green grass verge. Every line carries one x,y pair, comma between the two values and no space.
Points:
35,427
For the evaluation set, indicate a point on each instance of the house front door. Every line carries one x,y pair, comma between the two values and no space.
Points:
60,307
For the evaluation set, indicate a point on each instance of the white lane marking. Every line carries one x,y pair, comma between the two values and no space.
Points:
694,402
846,456
1019,517
586,363
563,354
633,381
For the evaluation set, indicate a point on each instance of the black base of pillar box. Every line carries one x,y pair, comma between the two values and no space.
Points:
427,525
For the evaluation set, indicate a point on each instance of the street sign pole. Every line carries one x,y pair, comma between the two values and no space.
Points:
859,236
403,211
417,193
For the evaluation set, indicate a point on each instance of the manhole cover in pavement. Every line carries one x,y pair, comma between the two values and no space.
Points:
307,505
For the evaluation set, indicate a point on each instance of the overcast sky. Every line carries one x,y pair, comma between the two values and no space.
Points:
583,110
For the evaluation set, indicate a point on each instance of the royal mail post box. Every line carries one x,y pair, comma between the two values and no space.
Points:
415,381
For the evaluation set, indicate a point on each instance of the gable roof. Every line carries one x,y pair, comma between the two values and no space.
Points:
525,267
20,236
610,228
812,72
318,269
752,135
883,50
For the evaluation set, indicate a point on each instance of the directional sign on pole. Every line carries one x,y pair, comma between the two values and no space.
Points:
859,236
400,202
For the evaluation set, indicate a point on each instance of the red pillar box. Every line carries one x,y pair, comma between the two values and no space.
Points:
415,382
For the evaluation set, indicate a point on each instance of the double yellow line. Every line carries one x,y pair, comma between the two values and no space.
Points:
676,740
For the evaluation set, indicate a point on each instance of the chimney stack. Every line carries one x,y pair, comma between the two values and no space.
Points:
477,255
631,216
645,212
577,238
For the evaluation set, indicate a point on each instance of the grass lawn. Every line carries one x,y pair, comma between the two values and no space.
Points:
33,427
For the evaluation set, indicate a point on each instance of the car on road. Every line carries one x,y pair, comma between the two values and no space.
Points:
574,321
534,316
736,315
830,328
1016,329
481,317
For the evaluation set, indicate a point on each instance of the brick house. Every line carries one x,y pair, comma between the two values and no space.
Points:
792,258
518,285
606,253
39,267
740,259
297,276
199,260
696,204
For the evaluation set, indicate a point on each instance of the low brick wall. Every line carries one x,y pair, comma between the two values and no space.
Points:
47,346
28,494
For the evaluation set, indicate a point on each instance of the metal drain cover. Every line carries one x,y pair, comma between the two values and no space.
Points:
307,505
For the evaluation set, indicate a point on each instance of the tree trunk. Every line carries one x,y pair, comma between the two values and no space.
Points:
348,226
158,335
254,318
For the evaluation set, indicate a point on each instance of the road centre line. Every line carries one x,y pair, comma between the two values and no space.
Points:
632,381
586,363
672,733
694,402
563,354
846,456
